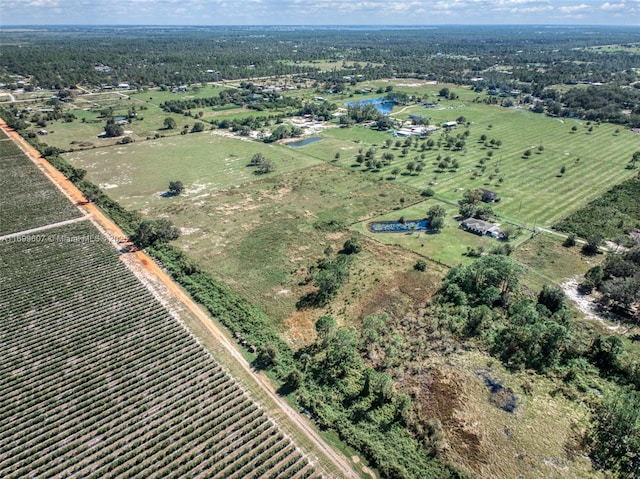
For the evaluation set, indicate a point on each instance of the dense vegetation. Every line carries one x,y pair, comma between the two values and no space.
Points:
613,215
508,58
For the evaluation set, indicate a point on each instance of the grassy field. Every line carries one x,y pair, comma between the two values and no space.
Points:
205,162
540,439
449,246
251,230
533,190
548,262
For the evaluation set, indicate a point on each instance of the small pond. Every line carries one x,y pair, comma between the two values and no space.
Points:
305,142
397,226
383,105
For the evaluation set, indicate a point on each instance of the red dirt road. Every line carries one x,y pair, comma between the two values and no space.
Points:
342,466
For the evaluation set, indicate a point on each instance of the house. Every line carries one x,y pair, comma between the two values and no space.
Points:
489,196
123,86
481,227
43,132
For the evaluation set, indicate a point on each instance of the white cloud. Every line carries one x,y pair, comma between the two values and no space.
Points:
574,9
612,6
41,3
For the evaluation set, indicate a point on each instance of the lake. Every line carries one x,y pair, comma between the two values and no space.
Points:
305,142
383,105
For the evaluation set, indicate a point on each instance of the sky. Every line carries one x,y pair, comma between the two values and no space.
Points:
318,12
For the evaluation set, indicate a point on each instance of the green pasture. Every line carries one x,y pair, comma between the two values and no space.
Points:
533,191
547,261
259,236
83,132
155,96
449,246
204,162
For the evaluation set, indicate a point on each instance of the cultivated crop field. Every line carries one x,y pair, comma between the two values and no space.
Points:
28,199
99,380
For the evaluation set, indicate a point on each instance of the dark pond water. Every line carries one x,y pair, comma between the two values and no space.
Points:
305,142
383,105
397,227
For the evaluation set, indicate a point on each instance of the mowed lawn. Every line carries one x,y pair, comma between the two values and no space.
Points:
533,191
138,173
448,246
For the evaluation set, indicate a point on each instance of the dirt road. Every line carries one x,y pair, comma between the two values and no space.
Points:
115,234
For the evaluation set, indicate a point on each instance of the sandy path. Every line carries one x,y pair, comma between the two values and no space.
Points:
115,234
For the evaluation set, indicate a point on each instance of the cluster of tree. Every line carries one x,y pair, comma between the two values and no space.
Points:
262,164
329,274
454,54
618,281
233,96
360,401
152,232
615,433
471,205
603,103
283,131
318,110
113,129
359,113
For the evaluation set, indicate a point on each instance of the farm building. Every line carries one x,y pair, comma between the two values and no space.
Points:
449,124
489,196
481,227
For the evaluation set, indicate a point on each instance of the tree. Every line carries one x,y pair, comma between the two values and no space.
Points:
170,123
436,211
563,170
325,327
552,297
593,244
421,265
592,279
616,433
150,232
444,92
437,223
266,166
411,166
256,159
351,246
570,241
198,126
175,188
112,129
